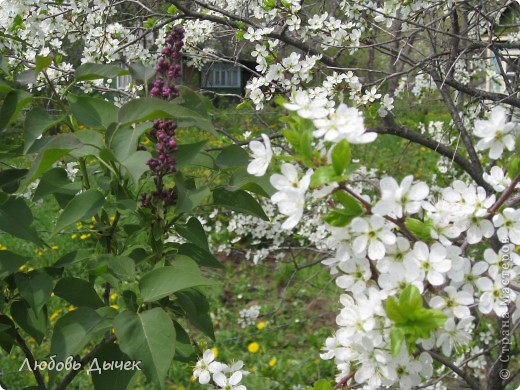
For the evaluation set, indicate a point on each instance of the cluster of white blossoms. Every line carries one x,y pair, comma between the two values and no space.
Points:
219,375
248,316
408,235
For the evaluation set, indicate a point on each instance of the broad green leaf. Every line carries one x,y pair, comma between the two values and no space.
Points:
322,384
135,165
55,149
98,71
341,156
124,140
35,324
145,109
10,262
141,72
184,351
55,180
323,175
10,179
35,287
81,207
73,257
196,307
239,201
7,334
410,300
232,156
4,66
78,292
42,63
92,142
93,112
202,256
193,100
36,122
161,282
343,216
241,180
513,170
419,229
8,109
74,331
122,267
188,198
397,336
187,153
393,312
148,337
112,379
16,219
193,232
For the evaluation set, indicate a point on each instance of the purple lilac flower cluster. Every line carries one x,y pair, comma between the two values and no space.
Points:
169,67
163,131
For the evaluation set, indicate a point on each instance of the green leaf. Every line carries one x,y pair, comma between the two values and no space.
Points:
93,112
187,153
241,180
112,379
196,307
419,229
200,255
9,263
124,139
397,336
16,219
55,180
78,292
10,179
239,201
144,109
35,324
92,144
343,216
36,122
184,351
148,337
393,312
98,71
513,170
410,300
323,175
42,63
7,334
81,207
322,384
141,72
188,199
8,109
232,156
135,165
4,66
162,282
55,149
35,287
73,257
341,156
122,267
193,232
74,331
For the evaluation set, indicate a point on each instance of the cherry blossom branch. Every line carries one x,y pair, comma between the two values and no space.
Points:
344,381
508,192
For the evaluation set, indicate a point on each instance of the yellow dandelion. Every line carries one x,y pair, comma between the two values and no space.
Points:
52,294
114,296
253,347
31,340
22,267
261,325
55,247
74,236
215,351
71,308
272,362
145,141
3,247
79,225
55,314
30,269
84,236
115,306
112,219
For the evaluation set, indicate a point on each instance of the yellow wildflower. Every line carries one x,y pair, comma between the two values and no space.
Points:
114,296
2,247
215,351
253,347
84,236
272,362
55,247
74,236
261,325
115,307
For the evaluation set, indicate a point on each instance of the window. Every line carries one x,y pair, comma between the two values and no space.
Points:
220,75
